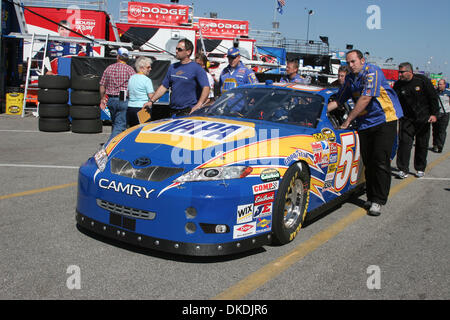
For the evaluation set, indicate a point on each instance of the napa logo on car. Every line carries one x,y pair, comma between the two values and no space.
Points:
195,133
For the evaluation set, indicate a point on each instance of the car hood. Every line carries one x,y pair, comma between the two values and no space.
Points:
192,142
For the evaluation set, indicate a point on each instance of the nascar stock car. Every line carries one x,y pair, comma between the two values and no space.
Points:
239,174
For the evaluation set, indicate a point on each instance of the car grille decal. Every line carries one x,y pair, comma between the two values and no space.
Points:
126,211
154,173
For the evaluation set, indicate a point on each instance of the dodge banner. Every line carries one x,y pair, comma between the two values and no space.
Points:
157,13
223,28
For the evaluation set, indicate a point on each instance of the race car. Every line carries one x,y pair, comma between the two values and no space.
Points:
239,174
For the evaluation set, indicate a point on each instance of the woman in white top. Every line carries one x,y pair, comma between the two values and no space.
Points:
140,89
202,60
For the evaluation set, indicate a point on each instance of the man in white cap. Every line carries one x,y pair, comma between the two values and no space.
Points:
113,91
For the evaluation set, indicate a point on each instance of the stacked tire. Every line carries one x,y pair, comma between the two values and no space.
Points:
53,108
85,104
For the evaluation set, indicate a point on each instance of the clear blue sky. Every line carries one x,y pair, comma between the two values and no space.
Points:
417,31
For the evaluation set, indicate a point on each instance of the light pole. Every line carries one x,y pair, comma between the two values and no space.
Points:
310,13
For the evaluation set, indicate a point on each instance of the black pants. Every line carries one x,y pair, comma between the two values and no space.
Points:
132,118
410,130
440,130
376,149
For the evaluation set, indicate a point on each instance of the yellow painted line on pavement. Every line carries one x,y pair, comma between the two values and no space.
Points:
30,192
279,265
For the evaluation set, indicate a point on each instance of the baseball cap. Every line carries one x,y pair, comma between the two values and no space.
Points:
122,52
233,52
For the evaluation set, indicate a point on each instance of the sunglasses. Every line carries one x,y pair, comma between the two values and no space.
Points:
179,49
403,71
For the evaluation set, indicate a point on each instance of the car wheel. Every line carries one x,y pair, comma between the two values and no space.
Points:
87,82
53,82
85,112
291,204
87,126
85,98
54,124
53,110
53,96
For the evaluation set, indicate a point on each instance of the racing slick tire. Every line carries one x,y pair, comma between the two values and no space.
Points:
49,110
87,126
291,203
54,124
88,82
53,96
85,98
85,112
53,82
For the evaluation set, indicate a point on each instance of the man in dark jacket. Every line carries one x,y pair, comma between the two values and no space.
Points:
440,126
420,107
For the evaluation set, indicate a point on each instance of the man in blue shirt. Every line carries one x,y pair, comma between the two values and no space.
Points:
186,78
292,75
235,74
377,110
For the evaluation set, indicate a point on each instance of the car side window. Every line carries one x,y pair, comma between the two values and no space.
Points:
307,110
338,116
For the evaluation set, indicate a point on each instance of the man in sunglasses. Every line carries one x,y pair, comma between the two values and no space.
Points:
187,80
235,74
420,106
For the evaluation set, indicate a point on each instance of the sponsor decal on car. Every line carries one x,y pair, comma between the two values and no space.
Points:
263,210
244,213
265,187
244,230
129,189
270,175
195,133
264,197
329,134
263,225
298,154
206,130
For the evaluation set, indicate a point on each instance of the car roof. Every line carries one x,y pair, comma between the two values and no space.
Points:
322,90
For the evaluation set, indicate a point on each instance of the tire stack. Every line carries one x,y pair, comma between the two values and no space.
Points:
85,109
53,108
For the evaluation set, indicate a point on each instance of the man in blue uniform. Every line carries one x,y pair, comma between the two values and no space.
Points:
235,74
377,110
292,75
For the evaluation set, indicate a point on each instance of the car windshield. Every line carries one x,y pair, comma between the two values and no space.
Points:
270,104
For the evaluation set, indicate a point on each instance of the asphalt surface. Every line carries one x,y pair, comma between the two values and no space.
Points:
331,258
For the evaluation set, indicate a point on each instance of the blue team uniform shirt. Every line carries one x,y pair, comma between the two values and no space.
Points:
232,78
383,107
185,80
296,79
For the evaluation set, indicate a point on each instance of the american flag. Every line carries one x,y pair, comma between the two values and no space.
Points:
281,4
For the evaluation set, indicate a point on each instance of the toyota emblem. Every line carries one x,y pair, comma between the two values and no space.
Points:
142,162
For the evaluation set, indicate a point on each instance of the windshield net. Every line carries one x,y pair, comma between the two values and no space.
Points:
275,105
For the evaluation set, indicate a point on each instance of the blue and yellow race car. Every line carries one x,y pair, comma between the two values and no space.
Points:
236,175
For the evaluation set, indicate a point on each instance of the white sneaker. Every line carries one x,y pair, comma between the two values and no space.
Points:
420,174
375,209
402,175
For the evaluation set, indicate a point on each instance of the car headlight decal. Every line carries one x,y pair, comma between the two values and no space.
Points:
218,173
101,158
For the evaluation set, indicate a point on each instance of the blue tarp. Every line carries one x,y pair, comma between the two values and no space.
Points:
277,54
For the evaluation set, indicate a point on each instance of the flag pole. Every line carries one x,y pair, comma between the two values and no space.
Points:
275,14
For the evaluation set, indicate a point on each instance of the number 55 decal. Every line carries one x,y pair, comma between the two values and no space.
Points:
348,165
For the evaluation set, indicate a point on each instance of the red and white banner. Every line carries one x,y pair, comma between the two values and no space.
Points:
86,22
157,13
223,28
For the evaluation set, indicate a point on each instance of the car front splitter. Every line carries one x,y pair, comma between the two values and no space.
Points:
192,249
